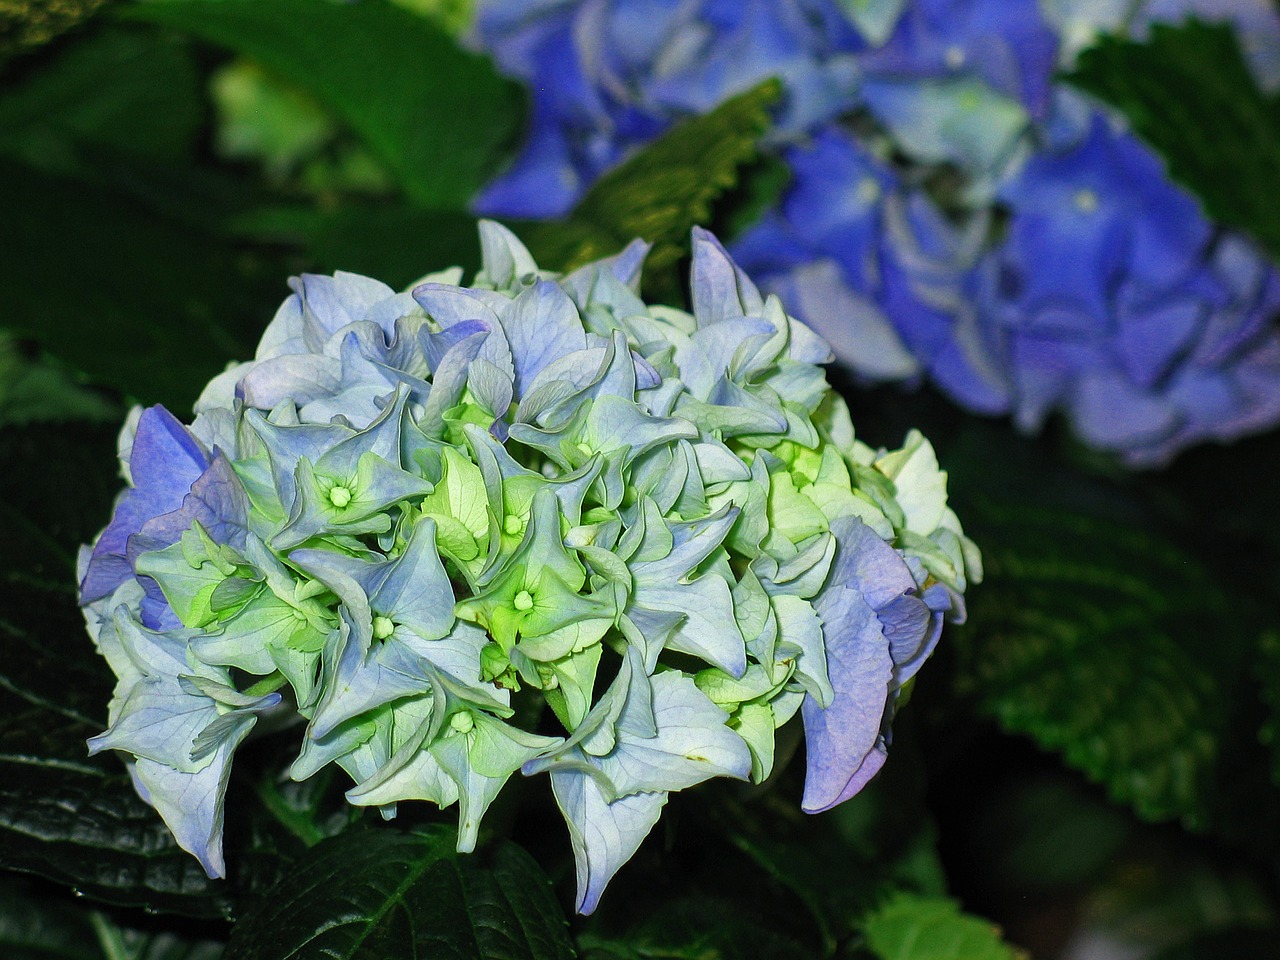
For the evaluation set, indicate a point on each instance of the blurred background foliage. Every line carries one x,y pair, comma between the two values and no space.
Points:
1087,771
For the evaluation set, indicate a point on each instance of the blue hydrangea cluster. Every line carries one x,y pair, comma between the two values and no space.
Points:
608,76
952,215
528,525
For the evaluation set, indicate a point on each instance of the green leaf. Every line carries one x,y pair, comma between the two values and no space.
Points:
34,927
833,887
1073,643
1245,944
1047,835
125,943
760,186
698,927
1267,673
393,242
837,866
382,893
134,300
26,24
1101,634
264,119
63,815
437,117
33,389
123,90
37,923
454,15
1188,92
911,927
661,192
305,809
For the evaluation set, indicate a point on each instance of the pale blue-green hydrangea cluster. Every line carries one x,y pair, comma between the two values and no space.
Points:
413,513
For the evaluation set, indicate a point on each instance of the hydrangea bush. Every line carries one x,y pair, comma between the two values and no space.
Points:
940,181
531,525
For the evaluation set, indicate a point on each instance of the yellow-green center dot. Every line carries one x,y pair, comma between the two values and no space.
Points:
584,449
1086,200
868,191
524,600
340,496
382,628
462,722
512,524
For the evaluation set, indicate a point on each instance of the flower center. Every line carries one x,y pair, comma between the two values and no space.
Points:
1086,200
524,600
382,628
867,191
340,496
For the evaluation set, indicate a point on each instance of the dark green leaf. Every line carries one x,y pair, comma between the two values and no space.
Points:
131,299
841,864
1162,890
396,244
662,191
63,815
1188,92
698,927
1071,644
37,923
1100,635
127,91
1047,836
33,927
437,117
392,242
26,24
381,893
911,927
304,808
33,389
1254,944
1268,675
834,888
126,943
760,186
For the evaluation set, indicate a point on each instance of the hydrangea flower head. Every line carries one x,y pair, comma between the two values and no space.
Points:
872,265
609,75
1152,331
412,511
959,82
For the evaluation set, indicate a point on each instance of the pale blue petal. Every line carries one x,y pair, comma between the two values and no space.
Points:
839,739
708,630
721,290
692,743
192,805
301,378
481,762
542,326
504,259
412,590
604,835
800,628
164,462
